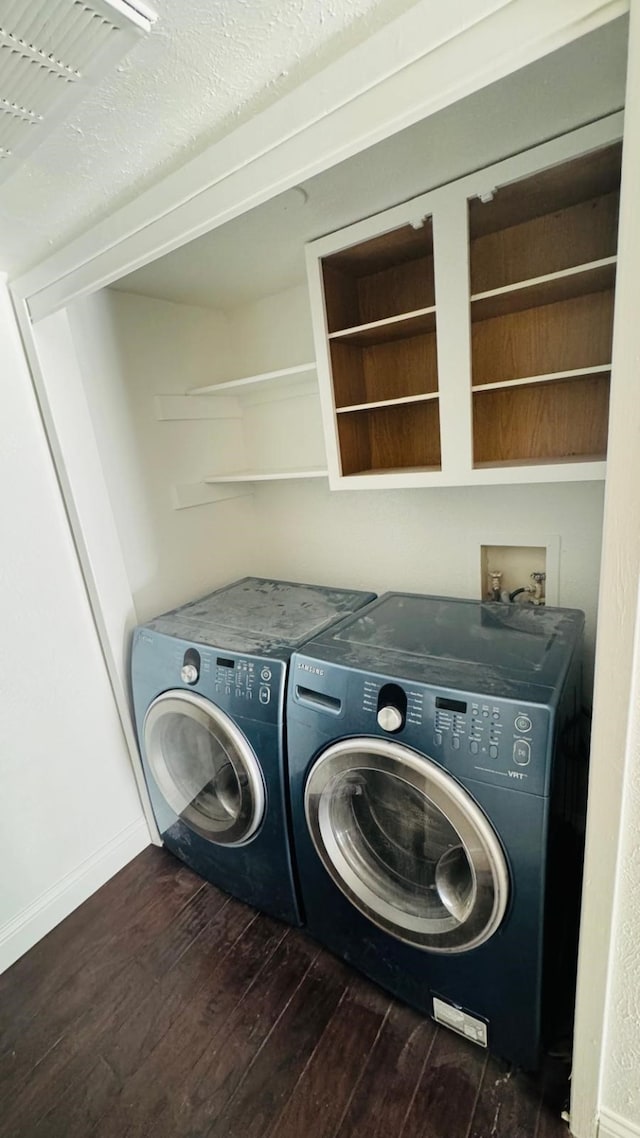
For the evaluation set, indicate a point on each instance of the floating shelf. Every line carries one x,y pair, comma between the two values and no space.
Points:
267,475
238,385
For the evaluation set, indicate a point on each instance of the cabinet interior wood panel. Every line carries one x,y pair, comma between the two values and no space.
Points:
564,419
591,175
384,371
390,274
390,438
571,334
581,233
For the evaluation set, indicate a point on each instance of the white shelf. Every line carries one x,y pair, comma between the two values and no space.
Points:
594,276
267,475
248,381
389,402
406,324
550,377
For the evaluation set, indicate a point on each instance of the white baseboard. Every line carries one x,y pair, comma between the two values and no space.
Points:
20,934
611,1125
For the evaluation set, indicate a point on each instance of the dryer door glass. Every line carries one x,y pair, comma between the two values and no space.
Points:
407,845
204,767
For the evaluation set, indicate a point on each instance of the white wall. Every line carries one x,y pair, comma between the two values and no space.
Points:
130,349
71,816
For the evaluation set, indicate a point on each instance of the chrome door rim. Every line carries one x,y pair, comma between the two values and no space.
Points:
205,713
484,853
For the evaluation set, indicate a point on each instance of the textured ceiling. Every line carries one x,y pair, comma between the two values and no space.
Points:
206,66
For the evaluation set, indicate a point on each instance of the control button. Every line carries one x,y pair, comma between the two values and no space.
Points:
485,712
496,714
227,689
390,718
521,752
264,695
455,742
265,674
523,723
493,752
437,738
474,746
188,673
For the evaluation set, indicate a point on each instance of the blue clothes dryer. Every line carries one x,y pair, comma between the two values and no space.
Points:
208,684
433,756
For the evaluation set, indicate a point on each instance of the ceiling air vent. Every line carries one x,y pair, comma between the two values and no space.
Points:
51,53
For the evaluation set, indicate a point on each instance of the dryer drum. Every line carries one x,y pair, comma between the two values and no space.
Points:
407,845
204,767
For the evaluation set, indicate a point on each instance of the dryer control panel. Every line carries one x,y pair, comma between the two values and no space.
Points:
492,740
241,685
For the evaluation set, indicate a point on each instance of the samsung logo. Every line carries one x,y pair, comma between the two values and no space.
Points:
311,668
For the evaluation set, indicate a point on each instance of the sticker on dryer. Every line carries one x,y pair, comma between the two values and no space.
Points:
460,1021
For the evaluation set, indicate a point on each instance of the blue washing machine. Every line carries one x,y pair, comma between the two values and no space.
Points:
433,750
208,684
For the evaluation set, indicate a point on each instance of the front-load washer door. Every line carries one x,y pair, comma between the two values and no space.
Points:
407,845
204,767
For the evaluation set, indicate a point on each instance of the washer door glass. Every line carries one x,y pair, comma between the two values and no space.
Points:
204,767
407,845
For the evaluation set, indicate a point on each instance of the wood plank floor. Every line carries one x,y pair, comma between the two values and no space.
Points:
164,1007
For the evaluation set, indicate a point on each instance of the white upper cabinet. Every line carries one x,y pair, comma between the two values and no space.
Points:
464,337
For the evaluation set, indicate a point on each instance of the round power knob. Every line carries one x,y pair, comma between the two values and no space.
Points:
389,718
188,673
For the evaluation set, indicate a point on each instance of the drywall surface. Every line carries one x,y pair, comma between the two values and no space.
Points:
131,349
70,812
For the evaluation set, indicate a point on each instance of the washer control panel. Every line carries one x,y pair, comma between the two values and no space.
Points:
493,740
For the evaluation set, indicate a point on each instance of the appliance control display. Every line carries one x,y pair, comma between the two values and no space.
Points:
243,679
451,704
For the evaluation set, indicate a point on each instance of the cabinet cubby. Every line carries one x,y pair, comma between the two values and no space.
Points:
401,436
542,279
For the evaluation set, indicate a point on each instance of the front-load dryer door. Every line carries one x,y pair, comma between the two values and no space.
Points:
407,845
204,767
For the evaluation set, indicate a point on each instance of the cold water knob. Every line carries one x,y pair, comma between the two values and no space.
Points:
390,718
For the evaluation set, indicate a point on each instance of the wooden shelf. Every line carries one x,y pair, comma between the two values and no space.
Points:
580,280
401,327
542,422
549,378
266,377
387,403
266,475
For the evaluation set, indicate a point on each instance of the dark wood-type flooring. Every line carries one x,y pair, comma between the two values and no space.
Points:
163,1007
